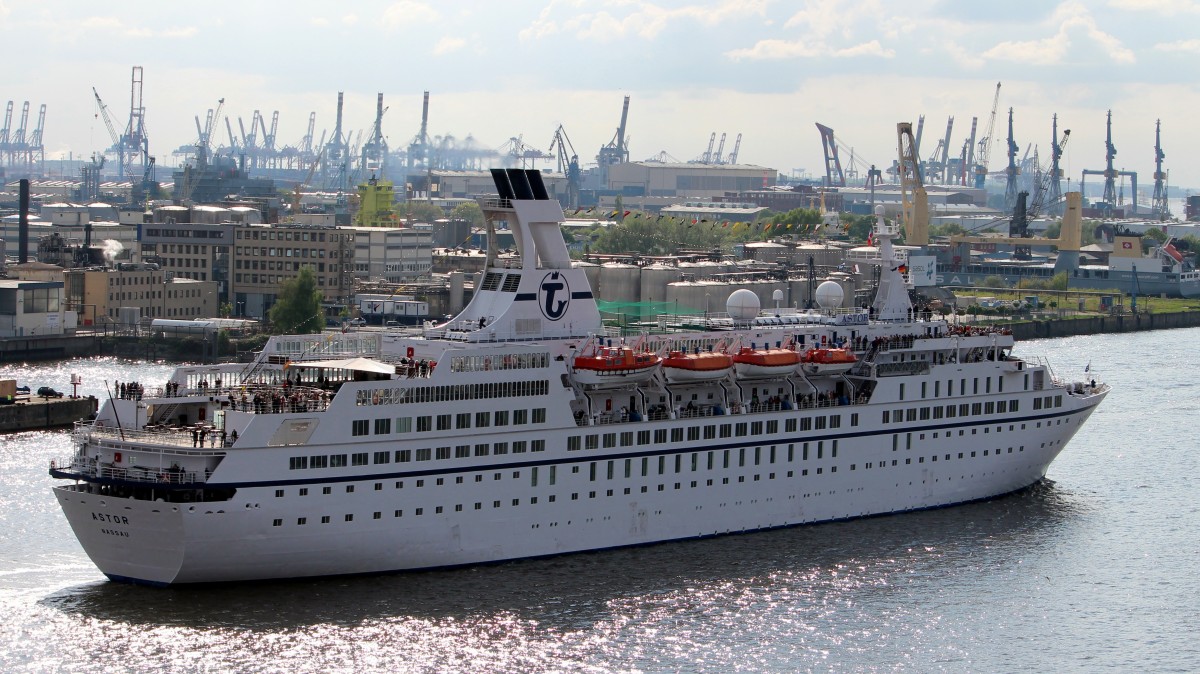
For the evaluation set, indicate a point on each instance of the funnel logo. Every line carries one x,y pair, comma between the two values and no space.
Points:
553,296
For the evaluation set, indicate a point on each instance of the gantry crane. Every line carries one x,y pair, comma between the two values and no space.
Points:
737,146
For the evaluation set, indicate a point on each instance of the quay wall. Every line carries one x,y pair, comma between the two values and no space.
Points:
1094,325
37,414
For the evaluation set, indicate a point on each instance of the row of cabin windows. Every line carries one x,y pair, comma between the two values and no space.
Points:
422,454
952,411
445,422
1047,402
451,392
645,466
709,432
962,387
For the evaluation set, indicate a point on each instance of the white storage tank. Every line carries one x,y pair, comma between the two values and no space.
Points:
619,282
654,280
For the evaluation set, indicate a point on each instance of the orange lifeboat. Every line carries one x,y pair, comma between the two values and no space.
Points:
751,363
827,361
614,366
679,367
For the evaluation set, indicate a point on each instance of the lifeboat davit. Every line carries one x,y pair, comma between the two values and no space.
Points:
689,367
750,363
827,361
615,366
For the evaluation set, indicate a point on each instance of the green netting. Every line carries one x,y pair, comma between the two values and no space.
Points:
646,309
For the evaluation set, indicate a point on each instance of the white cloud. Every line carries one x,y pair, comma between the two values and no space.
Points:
775,49
633,18
872,48
408,13
350,19
1165,7
447,45
318,21
962,56
1068,16
1179,46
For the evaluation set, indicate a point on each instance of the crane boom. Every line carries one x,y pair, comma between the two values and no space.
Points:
737,146
985,143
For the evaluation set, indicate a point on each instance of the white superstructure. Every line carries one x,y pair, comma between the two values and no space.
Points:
473,441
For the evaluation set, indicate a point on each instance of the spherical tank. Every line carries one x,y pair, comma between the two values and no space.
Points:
654,281
619,282
743,304
830,295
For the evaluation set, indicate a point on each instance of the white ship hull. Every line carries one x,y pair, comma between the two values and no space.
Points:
480,441
166,543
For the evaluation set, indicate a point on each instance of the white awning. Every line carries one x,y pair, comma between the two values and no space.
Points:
357,364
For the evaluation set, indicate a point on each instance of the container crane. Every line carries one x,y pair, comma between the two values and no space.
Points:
737,146
716,158
985,143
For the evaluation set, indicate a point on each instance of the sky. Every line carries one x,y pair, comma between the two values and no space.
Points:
767,69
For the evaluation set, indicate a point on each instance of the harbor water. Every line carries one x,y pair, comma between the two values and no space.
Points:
1092,570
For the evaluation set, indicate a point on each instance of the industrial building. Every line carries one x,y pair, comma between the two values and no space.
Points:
701,181
108,295
392,254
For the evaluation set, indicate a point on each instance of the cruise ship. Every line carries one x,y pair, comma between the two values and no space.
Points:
521,428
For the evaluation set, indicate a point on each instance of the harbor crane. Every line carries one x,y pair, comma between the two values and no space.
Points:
568,164
1011,172
985,144
916,209
616,151
1110,174
1159,206
833,163
737,146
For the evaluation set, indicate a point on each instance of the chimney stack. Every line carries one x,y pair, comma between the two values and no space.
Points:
23,224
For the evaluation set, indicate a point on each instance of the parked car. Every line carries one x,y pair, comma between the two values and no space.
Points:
358,321
48,392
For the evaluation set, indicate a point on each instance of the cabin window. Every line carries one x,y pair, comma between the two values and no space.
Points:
462,451
360,427
462,420
574,444
298,463
423,454
539,415
482,419
501,418
443,422
519,446
520,417
424,424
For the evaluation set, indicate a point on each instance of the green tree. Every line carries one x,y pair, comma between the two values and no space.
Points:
469,211
297,310
858,226
420,211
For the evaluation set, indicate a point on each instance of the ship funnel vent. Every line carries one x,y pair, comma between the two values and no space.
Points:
503,187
